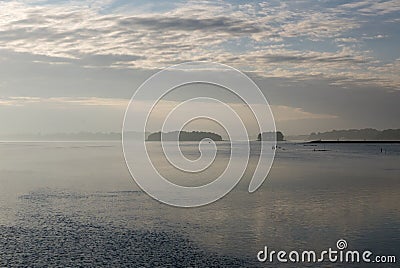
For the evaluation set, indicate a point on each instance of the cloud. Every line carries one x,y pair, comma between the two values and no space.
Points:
378,36
281,112
265,38
232,26
34,114
372,7
347,40
318,25
62,102
287,113
18,101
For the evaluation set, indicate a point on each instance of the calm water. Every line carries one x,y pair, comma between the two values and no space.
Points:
75,204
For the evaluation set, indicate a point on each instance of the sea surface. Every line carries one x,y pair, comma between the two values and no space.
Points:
75,204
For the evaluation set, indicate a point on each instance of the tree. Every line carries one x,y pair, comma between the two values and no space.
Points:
270,136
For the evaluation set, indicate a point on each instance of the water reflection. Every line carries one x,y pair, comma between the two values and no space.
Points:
309,201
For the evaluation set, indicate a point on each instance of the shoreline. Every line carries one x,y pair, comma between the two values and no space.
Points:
354,141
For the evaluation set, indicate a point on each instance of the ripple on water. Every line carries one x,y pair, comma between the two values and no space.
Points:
46,236
69,243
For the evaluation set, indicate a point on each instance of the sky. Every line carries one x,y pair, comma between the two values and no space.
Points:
70,66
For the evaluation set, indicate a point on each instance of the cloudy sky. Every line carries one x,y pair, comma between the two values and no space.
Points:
68,66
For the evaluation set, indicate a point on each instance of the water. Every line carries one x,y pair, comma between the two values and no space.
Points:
74,204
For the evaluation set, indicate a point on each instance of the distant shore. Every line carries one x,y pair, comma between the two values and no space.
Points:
354,141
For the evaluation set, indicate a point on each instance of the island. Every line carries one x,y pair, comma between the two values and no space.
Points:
184,136
270,136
